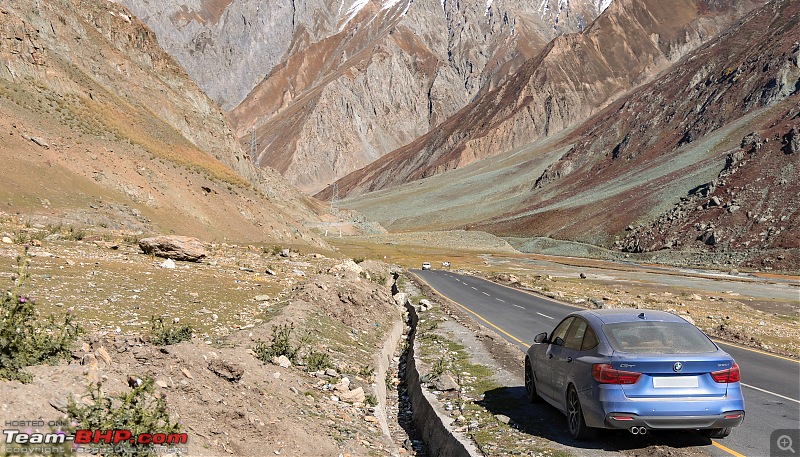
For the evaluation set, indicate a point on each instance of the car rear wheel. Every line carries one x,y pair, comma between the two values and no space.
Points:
577,425
530,383
716,432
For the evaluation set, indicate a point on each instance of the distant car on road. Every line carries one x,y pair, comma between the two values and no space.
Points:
426,265
636,370
446,264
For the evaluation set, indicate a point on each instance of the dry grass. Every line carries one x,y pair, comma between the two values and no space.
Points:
105,115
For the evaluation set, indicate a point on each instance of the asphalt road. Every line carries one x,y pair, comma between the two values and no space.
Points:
771,384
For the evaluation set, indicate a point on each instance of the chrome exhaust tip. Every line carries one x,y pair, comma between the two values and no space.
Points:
642,431
634,430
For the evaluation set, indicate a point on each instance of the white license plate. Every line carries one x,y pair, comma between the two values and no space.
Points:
675,381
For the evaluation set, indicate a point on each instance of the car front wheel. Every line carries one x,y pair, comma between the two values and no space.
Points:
530,383
577,425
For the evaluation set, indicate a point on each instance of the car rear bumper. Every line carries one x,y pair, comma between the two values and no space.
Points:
626,421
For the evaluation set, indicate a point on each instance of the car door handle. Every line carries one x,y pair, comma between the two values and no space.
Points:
549,356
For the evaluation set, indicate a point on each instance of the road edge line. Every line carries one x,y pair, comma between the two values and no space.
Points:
771,393
728,450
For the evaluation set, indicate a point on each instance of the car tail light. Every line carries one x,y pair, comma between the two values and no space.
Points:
727,375
733,416
604,373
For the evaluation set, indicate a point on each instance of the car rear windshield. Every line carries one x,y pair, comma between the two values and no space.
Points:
657,338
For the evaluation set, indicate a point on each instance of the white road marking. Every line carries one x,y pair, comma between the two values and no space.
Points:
485,294
544,315
475,288
500,299
768,392
520,307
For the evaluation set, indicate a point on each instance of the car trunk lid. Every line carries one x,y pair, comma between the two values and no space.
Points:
673,375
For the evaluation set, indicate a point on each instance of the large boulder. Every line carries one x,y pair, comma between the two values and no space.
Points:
174,247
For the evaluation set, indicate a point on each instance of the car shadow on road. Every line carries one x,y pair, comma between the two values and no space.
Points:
543,420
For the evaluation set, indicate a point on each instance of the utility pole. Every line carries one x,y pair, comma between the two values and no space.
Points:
253,144
334,209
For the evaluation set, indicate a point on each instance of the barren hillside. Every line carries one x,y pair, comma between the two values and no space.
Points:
100,126
700,161
329,86
575,76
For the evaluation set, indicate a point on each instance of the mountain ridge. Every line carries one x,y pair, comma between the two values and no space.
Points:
550,92
700,160
320,113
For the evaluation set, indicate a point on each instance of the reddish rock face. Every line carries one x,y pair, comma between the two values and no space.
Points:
574,77
700,159
322,88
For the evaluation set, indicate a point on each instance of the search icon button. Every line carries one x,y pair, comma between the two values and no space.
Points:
784,442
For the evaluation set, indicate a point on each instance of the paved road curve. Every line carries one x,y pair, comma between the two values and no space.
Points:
771,383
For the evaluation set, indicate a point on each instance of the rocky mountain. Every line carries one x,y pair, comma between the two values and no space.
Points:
575,76
704,159
328,87
101,127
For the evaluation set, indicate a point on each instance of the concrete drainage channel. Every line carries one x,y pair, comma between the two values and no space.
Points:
430,421
428,416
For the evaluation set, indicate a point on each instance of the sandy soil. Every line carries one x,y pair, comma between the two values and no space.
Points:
233,299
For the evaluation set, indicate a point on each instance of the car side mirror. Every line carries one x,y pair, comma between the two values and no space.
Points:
540,338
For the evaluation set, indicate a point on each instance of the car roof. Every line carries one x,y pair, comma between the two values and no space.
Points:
613,316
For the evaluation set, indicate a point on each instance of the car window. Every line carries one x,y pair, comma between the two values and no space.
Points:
589,340
560,333
574,337
658,338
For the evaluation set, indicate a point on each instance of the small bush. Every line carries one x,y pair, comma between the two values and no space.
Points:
25,338
437,370
139,410
358,259
371,400
389,381
132,239
75,234
164,334
366,371
317,361
281,344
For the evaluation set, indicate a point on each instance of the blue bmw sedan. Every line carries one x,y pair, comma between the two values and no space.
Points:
634,369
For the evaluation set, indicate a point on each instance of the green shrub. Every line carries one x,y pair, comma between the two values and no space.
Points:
371,400
25,338
437,370
75,234
281,344
164,334
366,371
439,367
139,411
317,361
